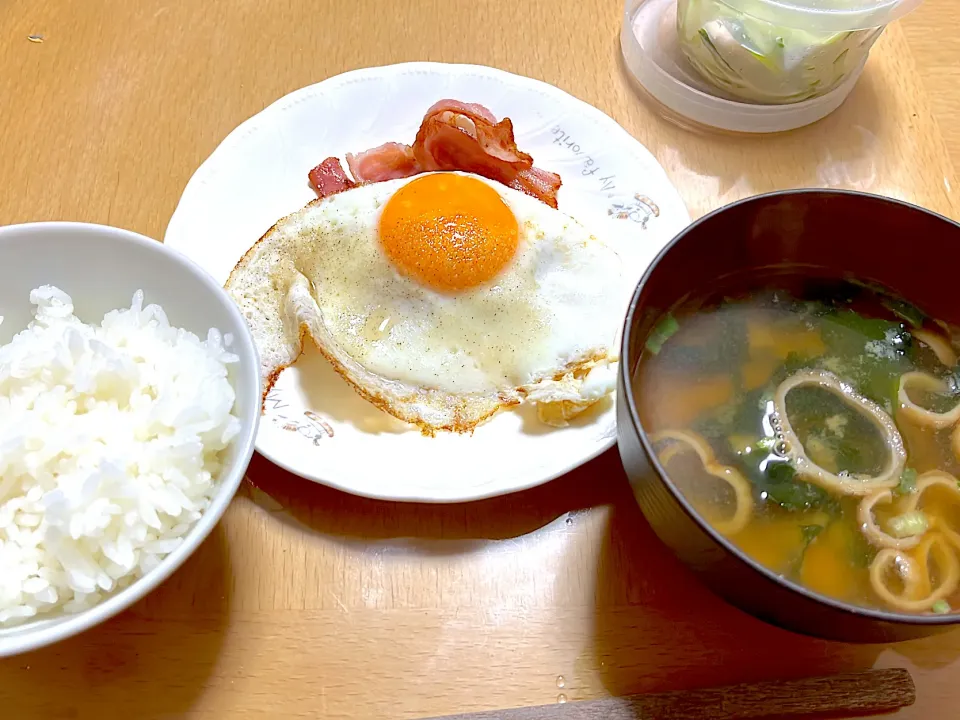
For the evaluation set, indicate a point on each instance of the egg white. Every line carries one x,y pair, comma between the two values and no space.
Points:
439,360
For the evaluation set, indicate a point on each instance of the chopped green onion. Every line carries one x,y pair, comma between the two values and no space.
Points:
908,482
941,607
767,443
909,524
662,332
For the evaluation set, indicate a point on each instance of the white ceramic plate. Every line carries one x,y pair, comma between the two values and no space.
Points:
315,425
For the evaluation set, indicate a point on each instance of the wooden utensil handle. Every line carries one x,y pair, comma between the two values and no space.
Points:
852,694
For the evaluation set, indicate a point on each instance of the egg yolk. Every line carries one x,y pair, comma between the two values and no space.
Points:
448,232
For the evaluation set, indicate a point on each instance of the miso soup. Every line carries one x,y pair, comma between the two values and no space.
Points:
816,424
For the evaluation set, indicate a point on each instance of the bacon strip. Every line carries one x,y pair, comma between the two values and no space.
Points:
329,178
453,136
387,162
462,107
458,141
538,183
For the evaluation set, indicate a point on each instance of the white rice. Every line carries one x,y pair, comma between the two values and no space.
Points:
111,439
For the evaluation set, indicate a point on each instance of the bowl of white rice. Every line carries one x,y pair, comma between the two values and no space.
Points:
129,405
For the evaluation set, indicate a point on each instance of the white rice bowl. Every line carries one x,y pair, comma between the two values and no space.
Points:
112,438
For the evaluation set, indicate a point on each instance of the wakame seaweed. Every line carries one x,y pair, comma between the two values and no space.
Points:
776,482
810,532
746,419
907,312
793,494
871,353
869,328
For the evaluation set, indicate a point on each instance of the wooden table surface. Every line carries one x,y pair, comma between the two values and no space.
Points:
306,602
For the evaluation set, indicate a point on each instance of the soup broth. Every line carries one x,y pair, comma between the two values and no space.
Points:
817,426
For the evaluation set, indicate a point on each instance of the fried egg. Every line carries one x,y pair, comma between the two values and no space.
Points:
440,298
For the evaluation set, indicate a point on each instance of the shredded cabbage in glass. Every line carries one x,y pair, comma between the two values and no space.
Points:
759,62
